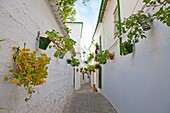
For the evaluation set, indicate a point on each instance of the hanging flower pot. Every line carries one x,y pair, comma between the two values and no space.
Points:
30,70
127,48
111,57
97,66
145,23
61,55
130,48
146,27
86,62
43,43
72,64
68,61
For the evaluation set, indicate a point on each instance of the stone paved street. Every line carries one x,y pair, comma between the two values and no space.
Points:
87,101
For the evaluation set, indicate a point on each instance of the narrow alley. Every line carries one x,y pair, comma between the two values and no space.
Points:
87,101
84,56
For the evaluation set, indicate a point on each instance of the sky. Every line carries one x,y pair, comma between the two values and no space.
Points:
88,15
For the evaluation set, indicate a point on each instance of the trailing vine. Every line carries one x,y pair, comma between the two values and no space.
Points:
163,14
30,70
136,24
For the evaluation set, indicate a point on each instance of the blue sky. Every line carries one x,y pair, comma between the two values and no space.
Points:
88,15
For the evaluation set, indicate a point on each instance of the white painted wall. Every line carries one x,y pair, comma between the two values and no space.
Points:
77,79
76,32
19,22
138,82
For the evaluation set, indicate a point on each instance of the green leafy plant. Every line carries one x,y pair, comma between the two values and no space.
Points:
102,58
133,25
67,9
91,68
63,44
68,61
127,47
90,57
30,71
84,71
97,66
86,62
164,10
74,62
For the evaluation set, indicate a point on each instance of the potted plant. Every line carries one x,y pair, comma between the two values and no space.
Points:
102,58
43,43
91,68
127,47
68,61
63,44
30,71
90,57
86,62
112,56
97,66
74,61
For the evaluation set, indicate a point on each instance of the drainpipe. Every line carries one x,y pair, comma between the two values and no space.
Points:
120,29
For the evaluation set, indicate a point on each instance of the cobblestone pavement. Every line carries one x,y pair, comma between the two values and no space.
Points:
87,101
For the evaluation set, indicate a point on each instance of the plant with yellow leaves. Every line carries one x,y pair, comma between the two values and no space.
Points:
30,70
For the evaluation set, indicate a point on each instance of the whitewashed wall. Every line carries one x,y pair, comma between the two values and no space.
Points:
138,82
19,22
76,32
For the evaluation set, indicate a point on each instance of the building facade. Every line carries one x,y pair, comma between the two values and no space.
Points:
20,22
137,82
76,34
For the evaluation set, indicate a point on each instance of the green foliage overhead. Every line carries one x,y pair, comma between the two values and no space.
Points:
67,9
